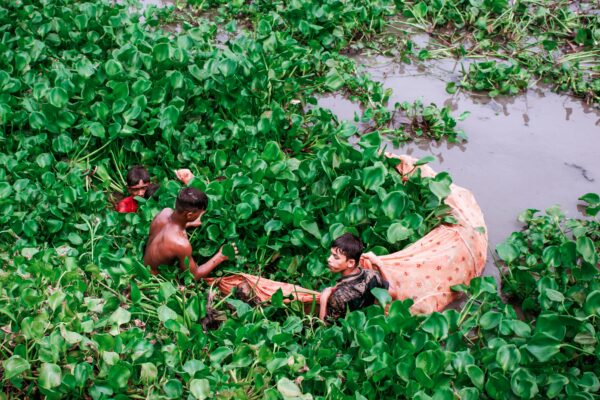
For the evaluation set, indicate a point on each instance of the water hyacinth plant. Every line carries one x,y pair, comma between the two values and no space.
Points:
89,89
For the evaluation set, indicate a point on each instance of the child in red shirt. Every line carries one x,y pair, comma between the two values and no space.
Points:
138,184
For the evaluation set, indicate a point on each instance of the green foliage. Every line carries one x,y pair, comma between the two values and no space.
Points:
320,24
88,90
554,40
496,78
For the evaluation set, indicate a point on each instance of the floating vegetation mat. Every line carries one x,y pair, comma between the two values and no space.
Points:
89,89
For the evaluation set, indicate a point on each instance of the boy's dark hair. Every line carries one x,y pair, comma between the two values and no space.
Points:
350,246
137,174
190,199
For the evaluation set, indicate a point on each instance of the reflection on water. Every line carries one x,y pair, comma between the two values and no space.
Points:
529,151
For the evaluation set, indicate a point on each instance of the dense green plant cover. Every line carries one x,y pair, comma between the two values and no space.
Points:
87,91
556,40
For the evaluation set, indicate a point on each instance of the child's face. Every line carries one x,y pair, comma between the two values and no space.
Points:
338,262
138,189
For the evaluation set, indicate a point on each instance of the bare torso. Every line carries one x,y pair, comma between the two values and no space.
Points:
165,241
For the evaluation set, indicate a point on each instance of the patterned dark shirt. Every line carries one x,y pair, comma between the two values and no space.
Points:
354,292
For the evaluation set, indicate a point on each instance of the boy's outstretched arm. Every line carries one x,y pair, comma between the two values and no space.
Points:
201,271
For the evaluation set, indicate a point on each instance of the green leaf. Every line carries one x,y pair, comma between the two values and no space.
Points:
243,210
5,190
62,144
440,185
166,290
273,226
200,388
120,316
393,205
220,354
50,376
424,160
508,357
374,176
119,375
490,320
592,303
507,252
554,295
161,52
15,366
58,97
523,384
312,228
173,389
398,232
543,347
272,152
555,384
476,375
585,247
148,372
333,80
451,87
372,139
227,67
37,120
382,295
436,325
340,183
229,251
165,313
551,256
287,388
113,68
591,198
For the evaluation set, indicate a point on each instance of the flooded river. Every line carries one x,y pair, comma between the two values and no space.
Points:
530,151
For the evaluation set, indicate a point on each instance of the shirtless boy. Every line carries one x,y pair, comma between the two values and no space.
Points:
168,241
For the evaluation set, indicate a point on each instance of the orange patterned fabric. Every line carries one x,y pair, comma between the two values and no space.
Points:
424,271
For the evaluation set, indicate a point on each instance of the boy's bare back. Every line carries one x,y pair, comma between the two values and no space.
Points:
167,242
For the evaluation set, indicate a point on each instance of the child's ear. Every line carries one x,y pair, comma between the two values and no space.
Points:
351,263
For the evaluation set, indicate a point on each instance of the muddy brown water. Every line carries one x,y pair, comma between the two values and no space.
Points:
534,150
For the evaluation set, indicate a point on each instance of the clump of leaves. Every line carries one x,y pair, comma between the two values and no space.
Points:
496,78
553,263
409,121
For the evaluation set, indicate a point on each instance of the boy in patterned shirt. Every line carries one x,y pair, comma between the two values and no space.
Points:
353,290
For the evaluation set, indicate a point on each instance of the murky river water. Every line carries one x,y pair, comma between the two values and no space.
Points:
530,151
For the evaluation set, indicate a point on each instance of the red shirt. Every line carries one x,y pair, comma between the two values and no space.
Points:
127,205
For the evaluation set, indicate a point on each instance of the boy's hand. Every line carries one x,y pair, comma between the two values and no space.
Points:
223,256
184,175
372,258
